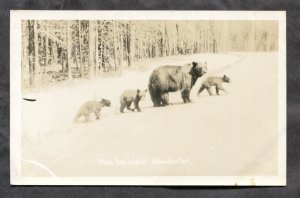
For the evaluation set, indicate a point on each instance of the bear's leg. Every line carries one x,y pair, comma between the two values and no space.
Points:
128,106
185,94
188,99
209,91
183,97
123,105
220,87
97,114
165,99
77,117
86,117
217,90
156,102
136,106
188,96
155,96
201,89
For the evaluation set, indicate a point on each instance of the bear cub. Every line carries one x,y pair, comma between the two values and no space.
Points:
214,81
91,107
129,96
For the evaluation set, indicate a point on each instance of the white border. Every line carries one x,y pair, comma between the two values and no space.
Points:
15,93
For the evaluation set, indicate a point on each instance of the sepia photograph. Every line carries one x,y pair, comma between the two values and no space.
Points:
148,98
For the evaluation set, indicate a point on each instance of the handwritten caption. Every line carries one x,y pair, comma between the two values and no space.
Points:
144,161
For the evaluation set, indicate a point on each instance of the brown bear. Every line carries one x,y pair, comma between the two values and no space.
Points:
214,81
129,96
168,78
91,107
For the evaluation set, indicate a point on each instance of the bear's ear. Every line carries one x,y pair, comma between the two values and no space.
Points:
138,91
145,90
194,64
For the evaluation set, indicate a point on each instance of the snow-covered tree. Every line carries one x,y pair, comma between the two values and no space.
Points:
57,50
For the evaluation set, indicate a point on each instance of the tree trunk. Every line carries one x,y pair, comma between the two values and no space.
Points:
80,51
96,49
177,43
25,55
91,49
115,45
163,39
101,49
127,44
132,44
46,47
36,72
69,49
252,36
205,38
121,48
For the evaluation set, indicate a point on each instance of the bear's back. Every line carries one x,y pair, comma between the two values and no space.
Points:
90,106
171,74
167,70
127,95
214,80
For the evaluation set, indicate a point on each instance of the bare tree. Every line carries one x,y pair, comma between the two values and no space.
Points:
50,49
69,48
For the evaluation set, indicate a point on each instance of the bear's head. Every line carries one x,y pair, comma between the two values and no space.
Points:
141,94
198,69
226,79
105,102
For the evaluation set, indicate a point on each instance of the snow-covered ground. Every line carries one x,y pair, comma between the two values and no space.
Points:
231,134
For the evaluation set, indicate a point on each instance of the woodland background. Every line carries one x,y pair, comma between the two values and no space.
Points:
60,50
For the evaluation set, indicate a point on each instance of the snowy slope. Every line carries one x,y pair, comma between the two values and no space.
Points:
208,132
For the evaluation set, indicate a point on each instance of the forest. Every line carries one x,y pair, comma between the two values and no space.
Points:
61,50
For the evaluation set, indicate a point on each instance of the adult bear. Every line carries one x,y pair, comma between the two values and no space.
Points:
168,78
